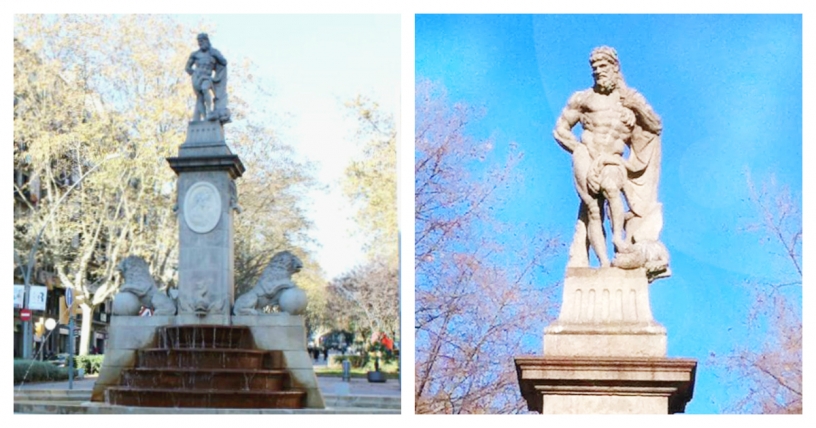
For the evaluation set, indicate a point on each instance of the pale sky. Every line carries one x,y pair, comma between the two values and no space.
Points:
313,65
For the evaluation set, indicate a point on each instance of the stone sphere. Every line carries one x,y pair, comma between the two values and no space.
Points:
126,304
293,301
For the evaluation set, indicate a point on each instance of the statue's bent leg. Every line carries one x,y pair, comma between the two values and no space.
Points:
616,217
612,180
206,93
597,235
200,110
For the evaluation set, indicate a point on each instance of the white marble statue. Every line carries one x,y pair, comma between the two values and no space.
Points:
274,288
613,117
208,70
139,290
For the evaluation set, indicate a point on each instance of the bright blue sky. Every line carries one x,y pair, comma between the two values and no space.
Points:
729,91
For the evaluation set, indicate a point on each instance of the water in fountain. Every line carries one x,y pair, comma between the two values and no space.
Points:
207,366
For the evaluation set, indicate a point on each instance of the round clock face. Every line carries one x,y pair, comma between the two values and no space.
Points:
202,207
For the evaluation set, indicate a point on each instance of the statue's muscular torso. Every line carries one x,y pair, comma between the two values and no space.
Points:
204,62
606,124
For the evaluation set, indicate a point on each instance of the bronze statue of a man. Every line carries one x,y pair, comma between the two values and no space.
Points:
208,69
614,116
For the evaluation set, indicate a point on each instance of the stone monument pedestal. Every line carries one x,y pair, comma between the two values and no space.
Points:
207,196
204,356
597,385
605,353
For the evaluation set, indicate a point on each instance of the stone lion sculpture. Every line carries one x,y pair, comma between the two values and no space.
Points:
139,290
275,287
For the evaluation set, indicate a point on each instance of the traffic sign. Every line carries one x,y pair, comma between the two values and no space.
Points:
69,297
25,314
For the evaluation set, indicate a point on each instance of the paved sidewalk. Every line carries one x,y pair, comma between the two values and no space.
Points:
328,386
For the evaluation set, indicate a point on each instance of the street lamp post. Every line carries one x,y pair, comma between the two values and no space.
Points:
28,334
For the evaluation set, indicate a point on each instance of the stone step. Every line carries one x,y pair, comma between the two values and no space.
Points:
51,407
144,397
52,394
215,379
334,401
209,359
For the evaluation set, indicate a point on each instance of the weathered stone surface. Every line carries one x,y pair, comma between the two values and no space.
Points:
127,335
275,281
605,345
280,338
604,404
279,319
208,319
208,70
116,360
607,296
285,332
298,359
605,313
206,260
142,322
276,332
94,408
139,284
202,207
135,337
202,134
606,385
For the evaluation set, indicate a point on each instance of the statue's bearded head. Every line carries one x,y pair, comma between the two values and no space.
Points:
605,69
203,41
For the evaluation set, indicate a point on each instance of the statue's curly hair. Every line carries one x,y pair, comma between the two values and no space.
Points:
604,52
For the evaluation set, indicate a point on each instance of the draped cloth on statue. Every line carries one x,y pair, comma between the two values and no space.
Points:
646,218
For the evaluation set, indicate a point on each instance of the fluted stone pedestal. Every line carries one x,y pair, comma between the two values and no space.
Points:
605,353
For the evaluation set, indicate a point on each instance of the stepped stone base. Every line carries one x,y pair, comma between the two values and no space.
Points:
605,353
281,337
606,385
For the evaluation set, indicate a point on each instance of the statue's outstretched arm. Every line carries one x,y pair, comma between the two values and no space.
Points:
563,126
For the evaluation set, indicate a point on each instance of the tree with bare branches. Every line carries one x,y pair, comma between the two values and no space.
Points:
769,365
365,300
477,303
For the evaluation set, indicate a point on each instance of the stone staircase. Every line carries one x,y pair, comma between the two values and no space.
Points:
206,366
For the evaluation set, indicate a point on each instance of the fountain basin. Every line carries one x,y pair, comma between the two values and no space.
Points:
205,336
